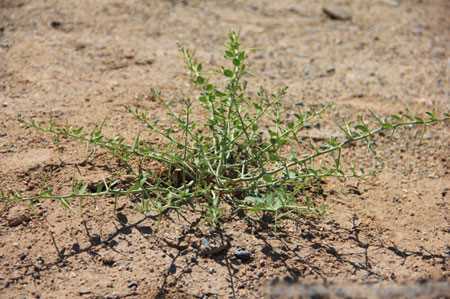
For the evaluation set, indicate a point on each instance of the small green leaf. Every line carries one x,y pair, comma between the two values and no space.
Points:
228,73
200,80
268,178
64,202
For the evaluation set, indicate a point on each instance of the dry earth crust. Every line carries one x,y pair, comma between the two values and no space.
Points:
80,62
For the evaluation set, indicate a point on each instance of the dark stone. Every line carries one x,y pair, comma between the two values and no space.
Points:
172,269
122,218
23,256
55,24
16,219
243,255
133,285
76,247
337,13
83,291
95,239
145,230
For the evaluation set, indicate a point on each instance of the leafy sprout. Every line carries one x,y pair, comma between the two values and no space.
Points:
230,161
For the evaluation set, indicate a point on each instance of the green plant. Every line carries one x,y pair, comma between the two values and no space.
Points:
228,163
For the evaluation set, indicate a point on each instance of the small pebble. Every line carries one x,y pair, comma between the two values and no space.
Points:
172,269
84,291
337,13
23,256
132,285
17,216
242,254
76,247
95,239
55,24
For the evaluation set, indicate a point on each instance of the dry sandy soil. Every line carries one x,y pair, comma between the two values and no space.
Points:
80,62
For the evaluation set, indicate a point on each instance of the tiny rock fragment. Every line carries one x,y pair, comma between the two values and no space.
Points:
132,285
108,260
338,13
445,192
17,216
84,291
18,220
144,61
242,254
76,248
213,245
56,24
23,256
172,269
123,219
95,239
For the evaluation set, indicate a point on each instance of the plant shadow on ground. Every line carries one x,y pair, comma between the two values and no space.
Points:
297,254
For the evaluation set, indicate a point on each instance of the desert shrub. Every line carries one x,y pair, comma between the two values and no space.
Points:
245,158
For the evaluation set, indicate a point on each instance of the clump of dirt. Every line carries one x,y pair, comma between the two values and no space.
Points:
81,62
